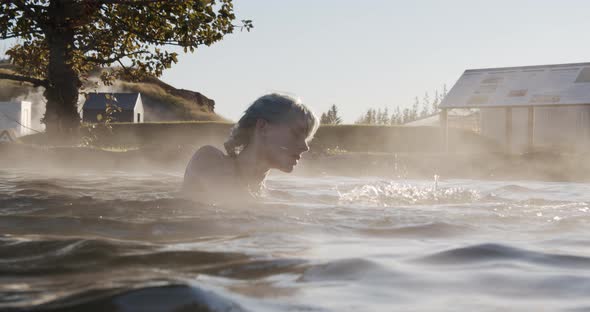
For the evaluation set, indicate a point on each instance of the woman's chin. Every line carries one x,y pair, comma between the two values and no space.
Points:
287,168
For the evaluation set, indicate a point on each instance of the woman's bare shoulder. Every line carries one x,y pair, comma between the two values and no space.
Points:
208,174
209,153
208,159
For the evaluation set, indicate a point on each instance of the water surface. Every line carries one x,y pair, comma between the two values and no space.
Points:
120,241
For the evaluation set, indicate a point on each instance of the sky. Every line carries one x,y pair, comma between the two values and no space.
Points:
376,53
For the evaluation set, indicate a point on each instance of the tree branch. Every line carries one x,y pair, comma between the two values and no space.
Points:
14,35
143,36
25,8
36,82
134,2
113,59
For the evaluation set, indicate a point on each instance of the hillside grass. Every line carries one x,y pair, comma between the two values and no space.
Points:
171,104
181,106
10,89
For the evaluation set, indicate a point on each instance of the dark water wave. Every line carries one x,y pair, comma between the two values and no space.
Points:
503,253
106,275
514,188
171,296
439,229
90,275
347,269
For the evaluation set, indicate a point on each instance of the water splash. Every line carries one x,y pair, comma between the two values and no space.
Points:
394,193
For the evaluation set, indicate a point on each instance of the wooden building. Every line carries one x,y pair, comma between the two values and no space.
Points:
529,107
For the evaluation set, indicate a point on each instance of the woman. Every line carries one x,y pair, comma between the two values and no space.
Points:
272,134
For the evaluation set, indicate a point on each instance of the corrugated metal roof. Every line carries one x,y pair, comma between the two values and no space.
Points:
543,85
99,100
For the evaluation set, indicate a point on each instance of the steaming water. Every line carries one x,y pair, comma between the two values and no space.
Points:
121,242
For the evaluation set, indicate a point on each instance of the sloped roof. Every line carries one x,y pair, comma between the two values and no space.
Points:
99,100
561,84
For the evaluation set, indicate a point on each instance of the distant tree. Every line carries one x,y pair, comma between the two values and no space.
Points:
406,116
425,108
425,105
396,117
429,106
378,117
367,119
331,117
425,112
64,40
435,102
384,120
414,111
324,119
363,119
360,120
335,117
372,116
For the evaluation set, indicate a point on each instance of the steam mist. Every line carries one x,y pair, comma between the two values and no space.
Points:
35,96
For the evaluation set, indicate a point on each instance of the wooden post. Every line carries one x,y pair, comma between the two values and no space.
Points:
444,125
531,129
508,130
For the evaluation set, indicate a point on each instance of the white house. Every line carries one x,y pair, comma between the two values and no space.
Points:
16,118
545,106
130,103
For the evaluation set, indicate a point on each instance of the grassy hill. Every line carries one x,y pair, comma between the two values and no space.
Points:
162,102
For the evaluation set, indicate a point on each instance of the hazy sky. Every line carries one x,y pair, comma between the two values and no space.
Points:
377,53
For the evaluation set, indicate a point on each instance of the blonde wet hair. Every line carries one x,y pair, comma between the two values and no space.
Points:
274,108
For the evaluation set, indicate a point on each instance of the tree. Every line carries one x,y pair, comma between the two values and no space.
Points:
332,116
425,110
373,119
406,116
378,116
369,117
444,92
62,41
324,119
396,117
414,111
435,102
384,120
425,105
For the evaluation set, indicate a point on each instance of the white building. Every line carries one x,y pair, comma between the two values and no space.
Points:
544,106
16,117
130,104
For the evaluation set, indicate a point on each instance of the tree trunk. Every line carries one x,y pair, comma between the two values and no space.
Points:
62,119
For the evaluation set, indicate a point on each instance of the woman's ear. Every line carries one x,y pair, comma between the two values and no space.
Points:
261,125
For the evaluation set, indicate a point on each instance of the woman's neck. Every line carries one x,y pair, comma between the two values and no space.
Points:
252,168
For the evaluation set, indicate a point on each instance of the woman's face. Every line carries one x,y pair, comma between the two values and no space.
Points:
284,143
